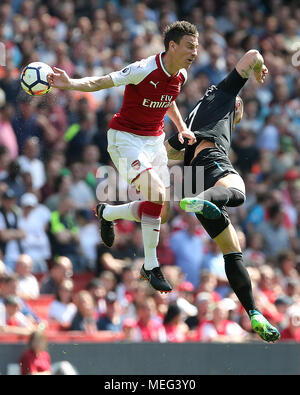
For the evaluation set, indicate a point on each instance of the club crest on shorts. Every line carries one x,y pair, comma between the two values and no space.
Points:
136,164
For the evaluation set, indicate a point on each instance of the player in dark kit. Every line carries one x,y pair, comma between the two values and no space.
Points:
212,121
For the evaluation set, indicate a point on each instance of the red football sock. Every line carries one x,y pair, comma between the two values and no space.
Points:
150,209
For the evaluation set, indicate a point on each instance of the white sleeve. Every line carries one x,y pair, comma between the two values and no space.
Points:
134,73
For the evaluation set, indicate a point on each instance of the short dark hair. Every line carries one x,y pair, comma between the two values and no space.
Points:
177,30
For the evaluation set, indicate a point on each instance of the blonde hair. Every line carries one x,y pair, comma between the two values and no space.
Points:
39,337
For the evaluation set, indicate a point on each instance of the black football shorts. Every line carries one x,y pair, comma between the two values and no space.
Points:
215,165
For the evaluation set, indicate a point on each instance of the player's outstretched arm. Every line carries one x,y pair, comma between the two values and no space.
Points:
252,61
60,80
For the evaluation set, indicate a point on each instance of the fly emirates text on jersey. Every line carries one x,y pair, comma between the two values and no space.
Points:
165,102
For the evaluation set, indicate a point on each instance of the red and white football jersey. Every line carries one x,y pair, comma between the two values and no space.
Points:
149,92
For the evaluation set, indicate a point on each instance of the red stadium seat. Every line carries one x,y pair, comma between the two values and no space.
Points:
41,305
10,338
78,336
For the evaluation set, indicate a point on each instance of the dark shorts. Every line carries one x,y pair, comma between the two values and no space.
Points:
215,165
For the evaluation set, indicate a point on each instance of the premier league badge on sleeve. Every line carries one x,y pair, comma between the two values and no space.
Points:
125,71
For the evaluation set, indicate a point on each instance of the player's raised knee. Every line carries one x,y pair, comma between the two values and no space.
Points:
238,198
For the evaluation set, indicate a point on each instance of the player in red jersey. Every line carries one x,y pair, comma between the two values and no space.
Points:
136,135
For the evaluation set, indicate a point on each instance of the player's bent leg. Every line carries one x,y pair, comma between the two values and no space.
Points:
232,180
228,191
223,196
150,185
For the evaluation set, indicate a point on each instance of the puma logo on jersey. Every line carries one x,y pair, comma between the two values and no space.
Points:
154,83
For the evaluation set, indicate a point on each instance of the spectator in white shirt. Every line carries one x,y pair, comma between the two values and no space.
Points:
28,286
34,221
62,309
30,163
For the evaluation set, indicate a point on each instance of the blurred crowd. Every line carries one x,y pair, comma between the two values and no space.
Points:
52,171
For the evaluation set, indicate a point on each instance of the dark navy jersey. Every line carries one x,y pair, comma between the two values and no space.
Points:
212,117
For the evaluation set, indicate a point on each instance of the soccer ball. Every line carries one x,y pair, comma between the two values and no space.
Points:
34,79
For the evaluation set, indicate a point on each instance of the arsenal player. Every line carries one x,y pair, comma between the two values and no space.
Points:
136,135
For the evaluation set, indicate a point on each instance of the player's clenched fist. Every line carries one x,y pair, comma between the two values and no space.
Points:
187,134
260,75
